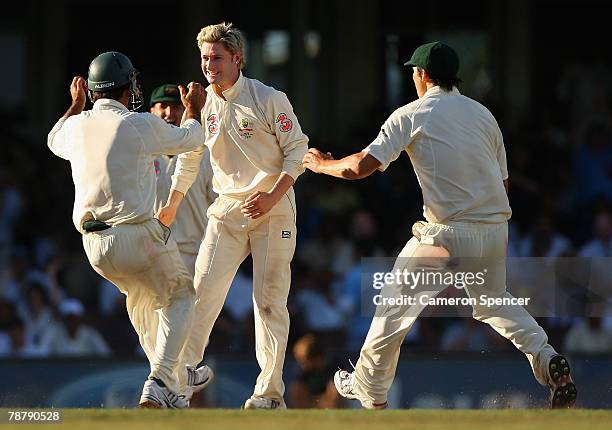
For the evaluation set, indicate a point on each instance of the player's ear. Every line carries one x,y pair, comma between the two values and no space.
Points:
424,76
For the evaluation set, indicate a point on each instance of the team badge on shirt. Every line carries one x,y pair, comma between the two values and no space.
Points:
213,123
244,128
285,123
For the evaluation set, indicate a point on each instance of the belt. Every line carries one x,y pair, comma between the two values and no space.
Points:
95,225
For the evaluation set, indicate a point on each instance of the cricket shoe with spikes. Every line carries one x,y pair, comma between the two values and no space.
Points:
344,380
563,392
197,380
258,402
155,395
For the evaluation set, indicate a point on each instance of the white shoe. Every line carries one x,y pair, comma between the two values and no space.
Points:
343,381
257,402
156,395
197,380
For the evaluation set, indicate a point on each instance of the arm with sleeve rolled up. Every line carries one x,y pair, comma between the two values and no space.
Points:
392,140
56,140
354,166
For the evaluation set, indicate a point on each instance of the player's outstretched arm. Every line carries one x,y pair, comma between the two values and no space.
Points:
355,166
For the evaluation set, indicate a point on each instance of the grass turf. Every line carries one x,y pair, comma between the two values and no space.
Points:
225,419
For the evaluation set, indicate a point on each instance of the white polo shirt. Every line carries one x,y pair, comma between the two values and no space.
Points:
458,155
253,136
111,152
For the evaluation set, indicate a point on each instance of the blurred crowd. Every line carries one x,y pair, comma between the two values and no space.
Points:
560,164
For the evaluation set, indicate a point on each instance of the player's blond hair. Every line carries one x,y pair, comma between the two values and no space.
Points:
224,33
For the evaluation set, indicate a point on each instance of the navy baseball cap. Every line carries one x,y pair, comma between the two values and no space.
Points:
437,58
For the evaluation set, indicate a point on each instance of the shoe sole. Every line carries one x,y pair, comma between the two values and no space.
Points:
248,405
149,404
563,391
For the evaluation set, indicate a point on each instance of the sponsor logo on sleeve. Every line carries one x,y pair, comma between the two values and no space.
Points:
285,123
213,123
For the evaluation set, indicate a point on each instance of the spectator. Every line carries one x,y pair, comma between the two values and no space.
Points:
589,336
601,245
72,337
593,164
320,308
544,240
313,387
469,335
19,345
36,313
10,209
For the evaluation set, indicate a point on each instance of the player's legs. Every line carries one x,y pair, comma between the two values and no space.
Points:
375,369
272,246
148,269
225,246
511,321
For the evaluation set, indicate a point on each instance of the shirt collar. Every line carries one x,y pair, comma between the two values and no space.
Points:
437,90
108,104
233,92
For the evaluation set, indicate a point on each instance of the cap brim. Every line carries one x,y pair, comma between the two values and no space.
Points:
408,63
165,99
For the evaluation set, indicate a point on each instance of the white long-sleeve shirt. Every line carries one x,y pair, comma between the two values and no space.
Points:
458,155
190,225
111,152
253,136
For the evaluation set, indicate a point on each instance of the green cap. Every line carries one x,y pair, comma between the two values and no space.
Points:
438,59
166,93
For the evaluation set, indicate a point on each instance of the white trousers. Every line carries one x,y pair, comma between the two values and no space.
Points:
480,244
229,239
146,266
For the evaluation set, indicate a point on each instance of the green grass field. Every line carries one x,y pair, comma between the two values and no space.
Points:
223,419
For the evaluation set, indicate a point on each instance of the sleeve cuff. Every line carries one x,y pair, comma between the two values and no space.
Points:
180,185
293,169
383,166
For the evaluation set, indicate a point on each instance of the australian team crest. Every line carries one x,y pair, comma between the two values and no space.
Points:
245,129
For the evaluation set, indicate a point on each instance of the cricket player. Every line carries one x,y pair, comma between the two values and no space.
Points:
190,225
457,151
111,152
256,147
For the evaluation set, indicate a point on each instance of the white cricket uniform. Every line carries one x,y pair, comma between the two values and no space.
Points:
457,151
190,224
111,152
253,136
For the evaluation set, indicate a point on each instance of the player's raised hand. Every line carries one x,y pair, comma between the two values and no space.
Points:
78,92
193,97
